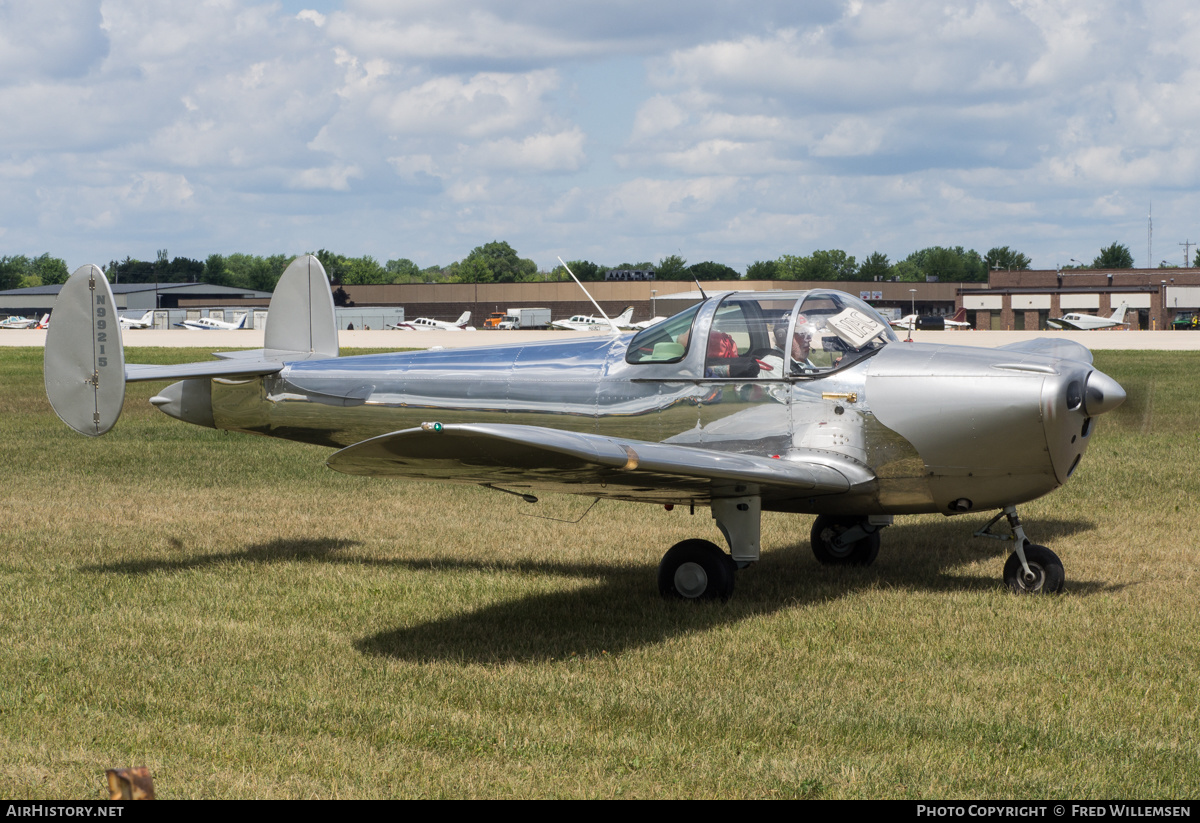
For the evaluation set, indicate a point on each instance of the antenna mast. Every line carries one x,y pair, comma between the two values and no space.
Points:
589,297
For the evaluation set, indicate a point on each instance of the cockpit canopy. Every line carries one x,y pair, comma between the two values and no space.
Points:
768,335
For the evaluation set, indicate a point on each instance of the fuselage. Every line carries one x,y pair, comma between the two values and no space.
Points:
939,428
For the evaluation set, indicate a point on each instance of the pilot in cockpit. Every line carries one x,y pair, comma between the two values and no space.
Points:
799,350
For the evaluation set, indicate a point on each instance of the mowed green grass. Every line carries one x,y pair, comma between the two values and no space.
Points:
226,611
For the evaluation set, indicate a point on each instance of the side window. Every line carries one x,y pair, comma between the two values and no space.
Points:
666,342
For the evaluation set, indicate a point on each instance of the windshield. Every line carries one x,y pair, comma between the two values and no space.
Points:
665,342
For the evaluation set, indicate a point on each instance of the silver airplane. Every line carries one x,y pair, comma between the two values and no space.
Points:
703,409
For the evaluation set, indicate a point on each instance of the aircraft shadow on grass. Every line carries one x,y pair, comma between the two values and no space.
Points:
622,610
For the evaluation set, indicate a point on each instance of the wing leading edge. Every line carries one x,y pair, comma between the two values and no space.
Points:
594,465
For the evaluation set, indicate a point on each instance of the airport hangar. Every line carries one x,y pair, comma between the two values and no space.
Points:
1010,300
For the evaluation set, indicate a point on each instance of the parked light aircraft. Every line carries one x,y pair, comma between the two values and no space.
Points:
429,324
212,324
17,322
585,322
143,322
1086,322
859,430
912,321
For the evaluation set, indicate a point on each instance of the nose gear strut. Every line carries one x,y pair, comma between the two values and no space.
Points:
1031,568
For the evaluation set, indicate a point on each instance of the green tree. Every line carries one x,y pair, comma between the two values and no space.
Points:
215,271
130,270
833,264
184,270
954,265
332,263
12,270
762,270
501,261
709,270
585,270
50,270
473,270
261,274
671,267
1002,257
1116,256
362,271
876,266
402,270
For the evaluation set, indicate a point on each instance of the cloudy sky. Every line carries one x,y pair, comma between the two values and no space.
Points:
613,131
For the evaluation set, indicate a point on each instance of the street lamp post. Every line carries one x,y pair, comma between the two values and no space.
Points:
653,311
913,322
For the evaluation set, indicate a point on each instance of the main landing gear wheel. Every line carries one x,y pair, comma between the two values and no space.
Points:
827,528
696,570
1047,572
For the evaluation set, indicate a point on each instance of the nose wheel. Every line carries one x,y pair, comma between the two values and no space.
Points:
1030,569
1045,575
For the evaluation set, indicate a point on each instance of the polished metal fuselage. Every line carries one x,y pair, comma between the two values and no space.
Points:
917,428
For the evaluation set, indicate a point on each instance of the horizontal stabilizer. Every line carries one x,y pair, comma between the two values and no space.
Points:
580,463
84,359
246,367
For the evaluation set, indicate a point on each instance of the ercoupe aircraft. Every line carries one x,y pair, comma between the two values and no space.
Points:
1075,321
856,429
213,324
429,324
586,322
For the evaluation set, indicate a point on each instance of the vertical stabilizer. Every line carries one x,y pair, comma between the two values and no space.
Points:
301,317
1119,314
84,360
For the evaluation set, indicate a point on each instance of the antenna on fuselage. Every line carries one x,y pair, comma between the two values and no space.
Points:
589,297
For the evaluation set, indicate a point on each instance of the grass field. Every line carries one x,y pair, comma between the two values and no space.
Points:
246,623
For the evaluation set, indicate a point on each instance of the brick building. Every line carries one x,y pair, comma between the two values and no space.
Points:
1019,300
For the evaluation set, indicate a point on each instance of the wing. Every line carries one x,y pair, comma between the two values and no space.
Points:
1052,347
594,465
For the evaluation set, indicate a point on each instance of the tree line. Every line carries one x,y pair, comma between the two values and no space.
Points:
499,262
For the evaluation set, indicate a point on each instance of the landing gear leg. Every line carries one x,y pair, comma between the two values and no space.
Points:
1030,569
698,569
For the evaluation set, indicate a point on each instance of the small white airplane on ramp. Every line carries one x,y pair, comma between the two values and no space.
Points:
586,322
1075,321
17,322
429,324
146,321
912,321
212,324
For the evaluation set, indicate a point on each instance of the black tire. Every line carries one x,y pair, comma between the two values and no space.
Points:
696,570
1048,575
860,553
